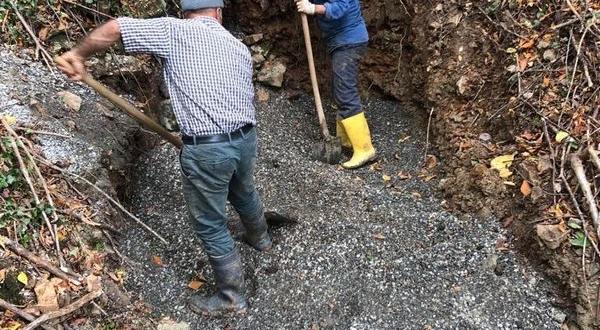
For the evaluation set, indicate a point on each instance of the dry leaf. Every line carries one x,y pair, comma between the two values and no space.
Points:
10,120
47,300
93,282
525,188
386,178
404,175
560,136
195,285
43,33
501,164
526,44
431,162
157,261
22,277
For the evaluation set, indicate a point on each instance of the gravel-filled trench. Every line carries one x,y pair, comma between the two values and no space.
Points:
365,254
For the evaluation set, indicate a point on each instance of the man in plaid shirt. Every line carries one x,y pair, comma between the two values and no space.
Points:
209,77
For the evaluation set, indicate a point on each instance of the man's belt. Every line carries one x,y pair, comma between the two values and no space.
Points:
204,139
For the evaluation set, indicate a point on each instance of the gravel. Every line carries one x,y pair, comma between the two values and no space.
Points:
366,253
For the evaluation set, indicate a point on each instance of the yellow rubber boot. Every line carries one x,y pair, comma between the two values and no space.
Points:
340,132
360,137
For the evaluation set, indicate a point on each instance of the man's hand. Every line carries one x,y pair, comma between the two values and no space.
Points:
74,66
304,6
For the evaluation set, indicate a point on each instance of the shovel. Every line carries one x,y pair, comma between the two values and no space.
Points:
127,107
330,150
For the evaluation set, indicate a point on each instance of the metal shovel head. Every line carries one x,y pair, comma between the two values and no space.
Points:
328,151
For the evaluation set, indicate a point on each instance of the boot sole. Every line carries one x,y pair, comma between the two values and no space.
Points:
367,162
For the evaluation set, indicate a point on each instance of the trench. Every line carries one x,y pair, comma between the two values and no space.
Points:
373,248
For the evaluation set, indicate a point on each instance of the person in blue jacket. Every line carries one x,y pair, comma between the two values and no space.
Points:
345,33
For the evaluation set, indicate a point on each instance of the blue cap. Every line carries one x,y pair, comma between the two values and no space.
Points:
201,4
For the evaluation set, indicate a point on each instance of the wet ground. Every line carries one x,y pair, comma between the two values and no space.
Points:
366,253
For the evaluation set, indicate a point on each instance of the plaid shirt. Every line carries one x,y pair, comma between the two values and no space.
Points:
207,70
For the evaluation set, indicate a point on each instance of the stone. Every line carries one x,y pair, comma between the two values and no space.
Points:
543,44
272,73
258,59
170,325
262,95
71,100
167,117
549,55
485,137
253,38
145,8
551,235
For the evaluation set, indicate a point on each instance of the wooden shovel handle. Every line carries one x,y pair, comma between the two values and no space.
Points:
313,77
126,106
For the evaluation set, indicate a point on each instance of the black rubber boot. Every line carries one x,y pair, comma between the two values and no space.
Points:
230,288
257,233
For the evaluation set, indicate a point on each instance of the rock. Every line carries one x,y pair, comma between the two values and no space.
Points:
167,117
145,8
462,85
253,38
551,235
170,325
549,55
272,73
71,100
258,59
543,44
485,137
262,95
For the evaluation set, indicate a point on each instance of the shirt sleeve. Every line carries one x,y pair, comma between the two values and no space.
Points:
335,9
151,36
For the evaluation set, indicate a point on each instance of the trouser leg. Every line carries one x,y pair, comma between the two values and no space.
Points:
345,64
245,199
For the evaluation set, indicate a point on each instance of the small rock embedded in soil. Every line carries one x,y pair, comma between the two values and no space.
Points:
272,73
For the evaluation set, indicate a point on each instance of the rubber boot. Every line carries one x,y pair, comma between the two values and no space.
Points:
340,132
359,135
257,233
229,297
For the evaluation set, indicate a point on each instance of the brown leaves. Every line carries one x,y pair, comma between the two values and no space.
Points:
45,291
525,188
157,260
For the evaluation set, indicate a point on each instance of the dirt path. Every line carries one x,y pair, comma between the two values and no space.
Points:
365,255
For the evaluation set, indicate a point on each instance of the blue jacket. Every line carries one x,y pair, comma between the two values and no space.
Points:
342,23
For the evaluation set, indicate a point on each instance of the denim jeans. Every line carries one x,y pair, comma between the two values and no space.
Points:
212,174
345,61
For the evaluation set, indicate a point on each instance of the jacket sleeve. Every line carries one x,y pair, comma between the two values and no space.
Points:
335,9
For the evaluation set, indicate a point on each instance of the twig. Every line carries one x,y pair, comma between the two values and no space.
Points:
552,155
19,250
107,196
577,167
48,198
65,310
500,24
25,173
594,157
88,8
579,212
27,130
45,56
427,139
576,62
24,315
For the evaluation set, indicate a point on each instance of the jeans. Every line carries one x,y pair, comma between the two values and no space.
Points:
345,61
212,174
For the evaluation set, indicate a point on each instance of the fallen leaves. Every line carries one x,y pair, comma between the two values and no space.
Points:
525,188
47,299
502,164
157,260
22,277
195,285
